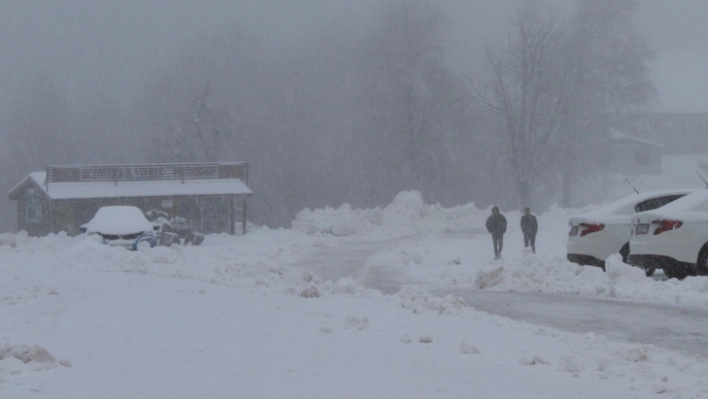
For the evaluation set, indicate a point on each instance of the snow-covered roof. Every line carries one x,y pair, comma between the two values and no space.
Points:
144,188
617,135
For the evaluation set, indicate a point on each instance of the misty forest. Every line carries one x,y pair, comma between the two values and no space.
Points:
354,105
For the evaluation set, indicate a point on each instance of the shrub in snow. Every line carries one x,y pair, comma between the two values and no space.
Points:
536,360
637,354
358,322
468,349
310,292
491,278
425,339
456,261
420,301
27,354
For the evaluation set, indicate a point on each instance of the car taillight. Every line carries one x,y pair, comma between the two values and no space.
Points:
666,225
590,228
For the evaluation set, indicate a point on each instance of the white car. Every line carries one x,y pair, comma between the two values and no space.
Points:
124,226
673,238
596,235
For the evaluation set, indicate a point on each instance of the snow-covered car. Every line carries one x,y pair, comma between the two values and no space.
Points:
124,226
673,238
596,235
180,227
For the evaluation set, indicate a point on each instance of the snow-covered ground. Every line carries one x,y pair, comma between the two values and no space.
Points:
258,316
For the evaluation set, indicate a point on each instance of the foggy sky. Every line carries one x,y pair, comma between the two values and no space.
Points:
113,45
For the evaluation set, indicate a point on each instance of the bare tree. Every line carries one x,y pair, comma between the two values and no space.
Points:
525,93
606,72
410,98
210,125
555,83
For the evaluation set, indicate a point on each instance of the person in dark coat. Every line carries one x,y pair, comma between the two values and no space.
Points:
529,226
496,225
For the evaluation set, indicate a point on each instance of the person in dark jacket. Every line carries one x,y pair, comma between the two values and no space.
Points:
529,226
496,225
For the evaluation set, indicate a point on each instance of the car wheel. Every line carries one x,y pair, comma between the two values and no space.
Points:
702,262
625,253
676,271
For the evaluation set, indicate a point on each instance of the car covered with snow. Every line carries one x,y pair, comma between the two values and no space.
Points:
178,227
596,235
124,226
673,238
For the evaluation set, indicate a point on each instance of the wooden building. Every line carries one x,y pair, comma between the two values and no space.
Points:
62,198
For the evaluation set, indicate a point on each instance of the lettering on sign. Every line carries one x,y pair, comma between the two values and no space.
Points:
146,172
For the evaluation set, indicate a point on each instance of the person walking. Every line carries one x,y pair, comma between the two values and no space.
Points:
496,225
529,226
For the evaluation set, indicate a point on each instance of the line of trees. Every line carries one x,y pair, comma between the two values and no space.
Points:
357,117
555,83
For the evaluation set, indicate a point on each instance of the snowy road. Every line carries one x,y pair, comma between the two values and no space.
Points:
676,327
673,327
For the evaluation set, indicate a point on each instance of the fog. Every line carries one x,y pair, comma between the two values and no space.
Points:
333,101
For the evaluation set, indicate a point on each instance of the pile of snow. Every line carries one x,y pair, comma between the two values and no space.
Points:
407,214
33,356
22,242
420,301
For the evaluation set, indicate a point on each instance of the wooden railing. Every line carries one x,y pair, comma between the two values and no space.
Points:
118,173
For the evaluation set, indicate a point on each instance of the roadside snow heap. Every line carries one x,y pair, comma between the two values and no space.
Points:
406,214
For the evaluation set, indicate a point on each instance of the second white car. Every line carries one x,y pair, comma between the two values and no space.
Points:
596,235
673,238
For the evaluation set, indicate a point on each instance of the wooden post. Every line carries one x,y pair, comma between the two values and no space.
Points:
201,214
244,218
232,217
51,217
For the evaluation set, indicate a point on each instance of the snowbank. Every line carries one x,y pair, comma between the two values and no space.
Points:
407,214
